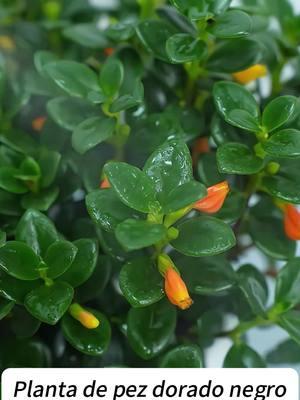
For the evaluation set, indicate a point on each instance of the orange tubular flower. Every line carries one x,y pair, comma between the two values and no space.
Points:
105,184
214,200
38,123
86,318
176,289
109,51
292,222
250,74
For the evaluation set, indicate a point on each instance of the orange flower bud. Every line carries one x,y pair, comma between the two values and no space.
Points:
250,74
176,289
105,184
214,200
86,318
201,146
109,51
38,123
292,222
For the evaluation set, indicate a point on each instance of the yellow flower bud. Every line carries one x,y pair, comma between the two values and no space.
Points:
86,318
250,74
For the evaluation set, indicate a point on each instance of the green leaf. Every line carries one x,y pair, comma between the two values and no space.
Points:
40,201
184,195
38,231
290,322
9,182
70,112
134,234
243,54
49,162
42,58
18,260
93,342
141,283
169,167
237,158
87,35
59,257
126,101
15,289
23,324
213,277
253,290
242,356
126,179
229,96
5,307
49,303
285,143
286,352
156,44
150,328
184,356
269,237
203,236
106,209
120,31
280,111
84,263
29,170
24,354
94,286
231,24
74,78
111,76
244,120
92,132
283,188
183,47
288,284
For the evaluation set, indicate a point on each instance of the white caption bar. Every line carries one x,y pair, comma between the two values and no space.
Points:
150,384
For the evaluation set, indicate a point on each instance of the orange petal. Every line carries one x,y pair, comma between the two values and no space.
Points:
214,200
292,222
38,123
176,289
250,74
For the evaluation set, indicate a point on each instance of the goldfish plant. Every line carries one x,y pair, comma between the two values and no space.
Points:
149,182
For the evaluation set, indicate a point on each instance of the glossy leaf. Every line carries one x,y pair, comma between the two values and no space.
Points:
280,111
184,195
237,158
231,24
134,234
9,181
283,188
290,322
59,257
19,260
111,76
106,209
83,264
270,238
49,303
86,34
184,356
125,179
285,143
92,132
183,47
203,236
38,231
288,284
242,356
93,342
169,167
141,283
156,44
150,328
15,289
74,78
5,307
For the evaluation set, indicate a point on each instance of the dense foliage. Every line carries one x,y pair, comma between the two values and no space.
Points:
142,162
